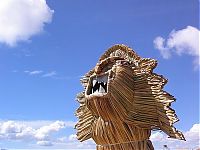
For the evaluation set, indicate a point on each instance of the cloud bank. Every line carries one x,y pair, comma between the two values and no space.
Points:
21,19
39,131
185,41
42,133
192,139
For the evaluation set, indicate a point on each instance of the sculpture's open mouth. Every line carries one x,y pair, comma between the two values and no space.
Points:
98,85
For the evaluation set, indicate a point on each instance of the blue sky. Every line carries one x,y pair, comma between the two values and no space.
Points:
46,46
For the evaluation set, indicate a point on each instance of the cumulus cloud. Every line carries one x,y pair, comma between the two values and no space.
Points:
13,130
159,44
72,137
42,133
193,135
192,139
38,131
156,137
44,143
72,142
21,19
185,41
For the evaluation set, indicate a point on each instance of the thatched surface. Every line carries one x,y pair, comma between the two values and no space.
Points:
134,104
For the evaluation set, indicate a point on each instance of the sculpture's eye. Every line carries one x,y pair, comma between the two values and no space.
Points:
107,67
123,62
106,64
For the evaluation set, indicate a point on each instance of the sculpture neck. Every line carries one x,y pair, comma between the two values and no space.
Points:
131,145
115,135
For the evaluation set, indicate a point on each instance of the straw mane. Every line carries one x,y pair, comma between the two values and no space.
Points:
136,101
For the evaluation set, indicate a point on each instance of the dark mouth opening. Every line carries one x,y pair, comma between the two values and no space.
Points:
98,84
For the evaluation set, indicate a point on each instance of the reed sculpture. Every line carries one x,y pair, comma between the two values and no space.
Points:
123,100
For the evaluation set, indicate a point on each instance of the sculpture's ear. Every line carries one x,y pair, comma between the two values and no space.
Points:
84,125
85,79
147,65
120,50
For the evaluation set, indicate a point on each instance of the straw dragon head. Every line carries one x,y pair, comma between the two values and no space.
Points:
122,87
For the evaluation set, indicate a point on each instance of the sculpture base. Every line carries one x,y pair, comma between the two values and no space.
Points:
142,145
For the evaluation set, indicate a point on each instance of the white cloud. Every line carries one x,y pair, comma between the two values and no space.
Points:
159,44
10,127
72,142
39,131
43,132
194,133
41,73
72,137
38,123
13,130
33,72
44,143
185,41
21,19
157,137
50,74
47,74
192,139
62,139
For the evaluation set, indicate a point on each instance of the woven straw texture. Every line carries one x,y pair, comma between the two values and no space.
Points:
134,104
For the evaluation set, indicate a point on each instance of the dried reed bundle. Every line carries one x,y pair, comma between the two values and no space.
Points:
123,101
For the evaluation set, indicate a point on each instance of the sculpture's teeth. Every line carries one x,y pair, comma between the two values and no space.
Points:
96,91
95,86
99,84
94,82
104,86
101,89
